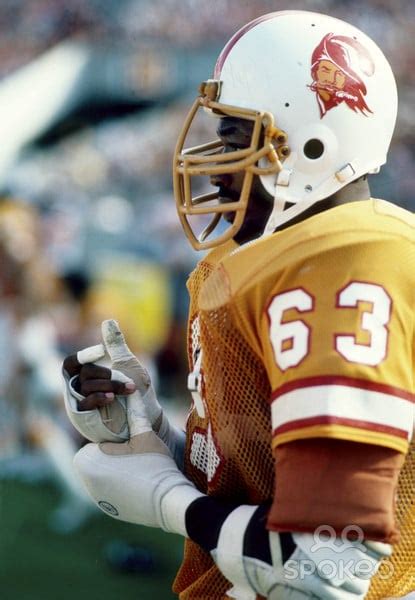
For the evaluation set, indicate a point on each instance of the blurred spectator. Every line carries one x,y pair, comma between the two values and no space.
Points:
30,360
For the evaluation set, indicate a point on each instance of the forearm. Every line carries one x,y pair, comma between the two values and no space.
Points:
280,565
344,489
337,483
139,482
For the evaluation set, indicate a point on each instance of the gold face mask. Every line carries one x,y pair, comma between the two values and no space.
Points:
267,142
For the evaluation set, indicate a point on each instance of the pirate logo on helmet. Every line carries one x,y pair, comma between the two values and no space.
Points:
339,65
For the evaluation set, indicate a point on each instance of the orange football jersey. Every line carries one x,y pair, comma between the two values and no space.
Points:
306,333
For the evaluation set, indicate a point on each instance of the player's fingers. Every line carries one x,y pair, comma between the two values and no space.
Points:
91,386
92,371
114,341
91,354
96,400
73,363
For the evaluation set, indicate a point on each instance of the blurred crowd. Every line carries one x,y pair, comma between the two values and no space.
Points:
31,27
88,228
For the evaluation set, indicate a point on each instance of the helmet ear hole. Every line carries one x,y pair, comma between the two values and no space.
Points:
313,149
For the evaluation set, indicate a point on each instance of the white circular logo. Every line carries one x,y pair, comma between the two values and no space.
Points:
108,508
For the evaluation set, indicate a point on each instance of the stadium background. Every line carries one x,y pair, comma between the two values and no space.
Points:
91,98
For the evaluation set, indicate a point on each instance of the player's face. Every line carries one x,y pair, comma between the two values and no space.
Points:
236,134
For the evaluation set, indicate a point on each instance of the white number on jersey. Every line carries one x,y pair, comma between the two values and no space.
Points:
291,339
374,322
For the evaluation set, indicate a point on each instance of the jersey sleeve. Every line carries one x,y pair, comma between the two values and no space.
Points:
337,335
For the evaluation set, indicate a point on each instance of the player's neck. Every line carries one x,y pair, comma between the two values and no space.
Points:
355,191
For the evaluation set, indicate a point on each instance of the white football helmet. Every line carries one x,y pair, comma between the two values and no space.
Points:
324,97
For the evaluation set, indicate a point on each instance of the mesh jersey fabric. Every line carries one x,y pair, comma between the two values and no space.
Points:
229,430
198,577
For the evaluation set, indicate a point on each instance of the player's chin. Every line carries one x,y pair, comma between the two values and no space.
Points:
229,217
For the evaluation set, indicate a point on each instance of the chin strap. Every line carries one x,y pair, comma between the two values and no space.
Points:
279,215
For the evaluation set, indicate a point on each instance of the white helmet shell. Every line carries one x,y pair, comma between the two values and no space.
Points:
328,86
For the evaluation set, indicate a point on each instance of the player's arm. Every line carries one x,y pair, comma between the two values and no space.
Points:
339,360
343,484
138,481
281,565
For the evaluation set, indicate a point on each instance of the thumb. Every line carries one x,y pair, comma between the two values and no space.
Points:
138,422
114,342
121,356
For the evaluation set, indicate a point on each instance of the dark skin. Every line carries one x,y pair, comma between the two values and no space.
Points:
236,134
94,381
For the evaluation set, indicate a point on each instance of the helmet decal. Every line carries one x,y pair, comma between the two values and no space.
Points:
339,65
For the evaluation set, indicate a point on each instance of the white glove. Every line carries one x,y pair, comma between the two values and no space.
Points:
106,424
109,424
336,569
137,481
124,360
344,576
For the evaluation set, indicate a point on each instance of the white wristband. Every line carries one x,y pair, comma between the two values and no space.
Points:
174,506
229,552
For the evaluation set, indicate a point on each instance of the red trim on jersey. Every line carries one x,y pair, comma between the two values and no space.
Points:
330,420
345,381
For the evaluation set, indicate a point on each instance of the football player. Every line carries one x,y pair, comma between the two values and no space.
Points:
294,479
